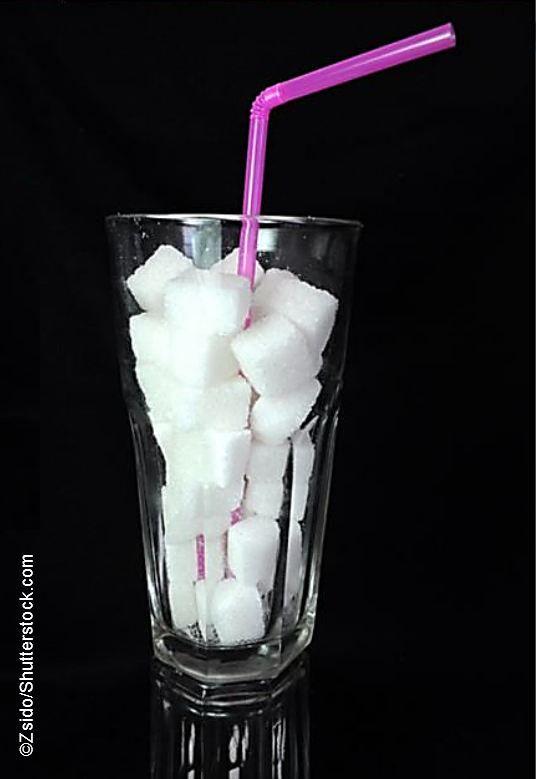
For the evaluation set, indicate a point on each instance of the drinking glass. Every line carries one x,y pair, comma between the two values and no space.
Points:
320,252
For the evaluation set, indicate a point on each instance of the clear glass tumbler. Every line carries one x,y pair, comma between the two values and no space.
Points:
233,398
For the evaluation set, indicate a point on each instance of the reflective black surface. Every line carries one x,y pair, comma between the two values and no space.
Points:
328,720
249,739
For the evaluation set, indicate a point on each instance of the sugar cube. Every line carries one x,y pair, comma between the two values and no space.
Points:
186,456
230,265
181,575
149,339
201,360
188,530
204,302
252,551
186,407
226,455
267,462
263,497
159,389
186,500
208,456
163,432
294,562
313,310
274,356
250,515
226,406
181,522
273,419
214,559
236,611
181,561
303,454
217,500
148,282
203,594
214,571
213,527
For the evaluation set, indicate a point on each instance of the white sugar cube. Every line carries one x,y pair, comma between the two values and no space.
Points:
214,559
204,302
303,455
182,604
186,456
274,356
182,508
148,282
267,463
159,389
313,310
180,529
185,501
236,611
250,515
163,432
216,526
203,595
230,265
208,456
226,455
214,571
252,551
263,497
293,573
149,338
220,500
226,405
274,419
181,575
186,407
200,360
181,523
181,561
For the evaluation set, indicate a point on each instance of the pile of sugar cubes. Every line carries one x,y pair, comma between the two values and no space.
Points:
226,403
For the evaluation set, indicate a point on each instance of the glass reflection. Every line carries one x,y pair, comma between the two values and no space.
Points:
265,736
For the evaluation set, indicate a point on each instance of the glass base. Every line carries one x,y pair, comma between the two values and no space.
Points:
252,666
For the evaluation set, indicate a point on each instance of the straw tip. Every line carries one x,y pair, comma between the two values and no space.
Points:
451,32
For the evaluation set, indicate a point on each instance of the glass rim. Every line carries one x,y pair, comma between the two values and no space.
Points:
197,218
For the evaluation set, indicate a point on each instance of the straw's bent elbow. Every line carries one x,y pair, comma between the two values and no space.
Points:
264,102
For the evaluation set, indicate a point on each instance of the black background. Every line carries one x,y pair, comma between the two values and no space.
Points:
420,664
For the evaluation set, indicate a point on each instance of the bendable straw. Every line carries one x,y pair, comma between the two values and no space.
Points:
389,56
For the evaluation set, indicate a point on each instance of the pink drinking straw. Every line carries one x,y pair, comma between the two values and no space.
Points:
397,53
408,49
